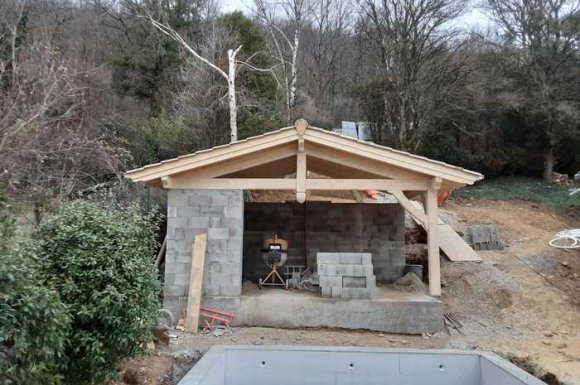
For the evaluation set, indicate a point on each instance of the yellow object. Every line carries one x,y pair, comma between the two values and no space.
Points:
276,240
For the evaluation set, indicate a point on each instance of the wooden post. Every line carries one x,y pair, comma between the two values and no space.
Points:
195,283
301,172
433,241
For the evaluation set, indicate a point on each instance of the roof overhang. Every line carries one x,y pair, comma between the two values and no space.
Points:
260,162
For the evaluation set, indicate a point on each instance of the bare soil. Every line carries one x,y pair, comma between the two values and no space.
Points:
522,302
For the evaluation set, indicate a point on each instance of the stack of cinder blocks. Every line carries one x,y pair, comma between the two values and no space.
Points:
219,213
484,237
346,276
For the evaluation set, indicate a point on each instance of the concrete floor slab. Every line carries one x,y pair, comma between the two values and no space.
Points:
393,312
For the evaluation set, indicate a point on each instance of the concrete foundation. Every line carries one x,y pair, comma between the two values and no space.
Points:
393,312
286,365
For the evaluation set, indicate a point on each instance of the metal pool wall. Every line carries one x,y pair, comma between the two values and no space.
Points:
251,365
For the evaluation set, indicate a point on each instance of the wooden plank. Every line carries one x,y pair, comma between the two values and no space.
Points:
431,210
195,283
367,184
231,183
454,247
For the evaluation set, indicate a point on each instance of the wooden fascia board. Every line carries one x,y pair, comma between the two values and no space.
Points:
384,155
212,156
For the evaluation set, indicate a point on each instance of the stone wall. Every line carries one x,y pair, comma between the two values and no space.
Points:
219,213
327,227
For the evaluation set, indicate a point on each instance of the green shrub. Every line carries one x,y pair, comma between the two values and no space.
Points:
33,321
100,261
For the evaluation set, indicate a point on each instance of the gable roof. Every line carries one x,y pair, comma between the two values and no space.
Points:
338,149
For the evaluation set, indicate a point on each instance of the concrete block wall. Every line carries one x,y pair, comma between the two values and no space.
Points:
220,214
346,276
327,227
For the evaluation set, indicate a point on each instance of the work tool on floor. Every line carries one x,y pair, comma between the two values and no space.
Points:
274,254
215,317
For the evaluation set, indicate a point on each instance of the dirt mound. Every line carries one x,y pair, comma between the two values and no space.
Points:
479,295
518,220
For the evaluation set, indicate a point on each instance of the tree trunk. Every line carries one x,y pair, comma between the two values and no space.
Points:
549,161
294,69
232,94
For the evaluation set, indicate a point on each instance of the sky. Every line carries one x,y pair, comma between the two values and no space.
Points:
472,18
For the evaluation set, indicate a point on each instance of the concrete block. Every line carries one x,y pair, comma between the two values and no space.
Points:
350,282
188,212
181,278
350,258
366,259
336,292
171,255
218,233
328,258
198,222
176,268
325,292
330,281
327,269
212,210
177,198
171,211
199,199
173,290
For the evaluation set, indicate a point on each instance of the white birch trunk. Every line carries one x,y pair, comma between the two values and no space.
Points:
232,93
294,69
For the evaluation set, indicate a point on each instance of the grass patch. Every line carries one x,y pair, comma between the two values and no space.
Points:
528,189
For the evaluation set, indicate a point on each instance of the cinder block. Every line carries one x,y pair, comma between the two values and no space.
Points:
352,282
177,198
326,292
347,270
198,222
181,279
328,258
173,291
327,269
188,212
199,199
212,210
176,268
350,258
330,281
171,211
218,233
211,290
336,292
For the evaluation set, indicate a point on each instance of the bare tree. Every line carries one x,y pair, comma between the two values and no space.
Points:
229,76
413,43
328,46
286,45
46,153
544,36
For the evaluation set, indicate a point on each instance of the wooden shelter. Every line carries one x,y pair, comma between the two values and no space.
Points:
287,159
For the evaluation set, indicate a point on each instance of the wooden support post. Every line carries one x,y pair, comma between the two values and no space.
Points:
301,172
432,219
195,283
